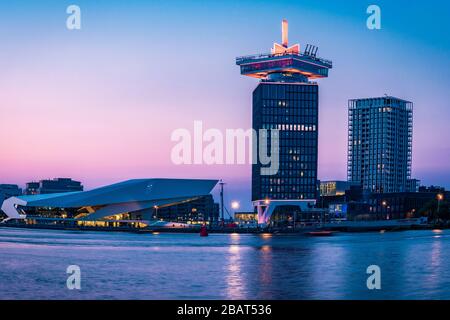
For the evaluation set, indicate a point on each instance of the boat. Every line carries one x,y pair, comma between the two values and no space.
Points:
203,231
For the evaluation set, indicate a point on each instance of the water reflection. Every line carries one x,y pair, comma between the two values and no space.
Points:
265,266
436,249
235,286
236,266
330,271
436,261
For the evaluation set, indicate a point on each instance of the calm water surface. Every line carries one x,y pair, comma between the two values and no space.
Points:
414,264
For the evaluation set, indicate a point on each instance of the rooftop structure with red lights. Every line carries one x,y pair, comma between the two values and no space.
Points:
285,62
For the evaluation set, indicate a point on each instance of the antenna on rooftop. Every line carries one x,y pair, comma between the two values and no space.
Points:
284,33
307,49
311,50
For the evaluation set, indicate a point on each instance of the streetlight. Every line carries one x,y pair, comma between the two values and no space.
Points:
156,209
235,205
385,205
440,197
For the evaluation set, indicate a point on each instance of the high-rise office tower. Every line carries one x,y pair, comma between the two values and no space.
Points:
287,100
380,143
291,108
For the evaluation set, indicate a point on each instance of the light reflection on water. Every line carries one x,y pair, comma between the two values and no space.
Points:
234,277
33,263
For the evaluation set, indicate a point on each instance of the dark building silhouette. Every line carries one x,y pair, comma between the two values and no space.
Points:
201,209
7,191
359,204
53,186
335,188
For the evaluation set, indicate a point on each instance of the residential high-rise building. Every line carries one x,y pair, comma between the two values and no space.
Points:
380,143
286,100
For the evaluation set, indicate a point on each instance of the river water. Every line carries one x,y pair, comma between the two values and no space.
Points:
33,265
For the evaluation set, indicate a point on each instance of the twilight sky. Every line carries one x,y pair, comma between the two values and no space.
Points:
99,104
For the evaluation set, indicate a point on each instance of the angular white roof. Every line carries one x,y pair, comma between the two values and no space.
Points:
140,192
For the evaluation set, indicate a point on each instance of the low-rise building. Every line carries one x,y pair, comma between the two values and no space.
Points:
335,188
354,205
57,185
7,191
244,217
135,203
412,185
201,209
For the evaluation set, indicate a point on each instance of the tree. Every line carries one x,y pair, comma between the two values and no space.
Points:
435,211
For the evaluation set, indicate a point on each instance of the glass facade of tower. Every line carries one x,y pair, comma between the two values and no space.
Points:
291,108
380,143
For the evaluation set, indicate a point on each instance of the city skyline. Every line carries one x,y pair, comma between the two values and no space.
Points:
99,108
